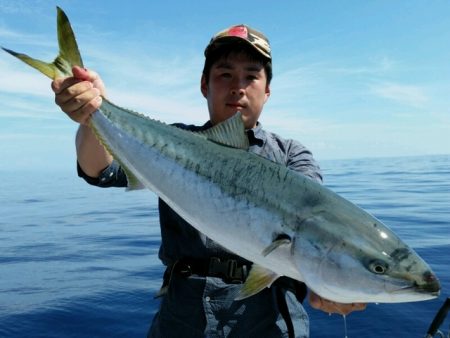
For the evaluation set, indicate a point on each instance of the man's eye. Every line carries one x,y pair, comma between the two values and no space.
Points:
225,75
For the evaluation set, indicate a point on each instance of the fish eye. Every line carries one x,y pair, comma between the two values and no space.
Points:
378,267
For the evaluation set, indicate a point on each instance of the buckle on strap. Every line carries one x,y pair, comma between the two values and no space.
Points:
228,270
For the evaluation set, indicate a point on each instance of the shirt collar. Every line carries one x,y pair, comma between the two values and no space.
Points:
255,136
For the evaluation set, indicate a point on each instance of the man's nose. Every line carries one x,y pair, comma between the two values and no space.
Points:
237,87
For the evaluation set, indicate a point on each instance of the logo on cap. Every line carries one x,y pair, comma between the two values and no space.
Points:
252,36
238,31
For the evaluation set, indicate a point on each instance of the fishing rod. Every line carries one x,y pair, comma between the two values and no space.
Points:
433,330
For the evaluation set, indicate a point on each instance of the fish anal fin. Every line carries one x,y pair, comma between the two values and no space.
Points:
133,181
258,279
230,132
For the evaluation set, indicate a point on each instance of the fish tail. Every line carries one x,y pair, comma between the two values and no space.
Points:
68,56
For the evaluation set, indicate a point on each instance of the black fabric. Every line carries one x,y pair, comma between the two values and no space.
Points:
229,270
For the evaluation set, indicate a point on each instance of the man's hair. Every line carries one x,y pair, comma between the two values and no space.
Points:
224,50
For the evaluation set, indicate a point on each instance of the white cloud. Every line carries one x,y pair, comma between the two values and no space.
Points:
26,82
24,92
11,38
9,34
164,86
9,7
405,94
375,66
162,107
329,138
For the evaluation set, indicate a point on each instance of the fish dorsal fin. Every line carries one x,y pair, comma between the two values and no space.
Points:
258,279
230,132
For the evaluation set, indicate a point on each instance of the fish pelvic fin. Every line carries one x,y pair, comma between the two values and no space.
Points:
258,279
230,132
162,292
68,56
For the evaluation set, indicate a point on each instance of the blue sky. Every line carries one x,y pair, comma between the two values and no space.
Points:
352,79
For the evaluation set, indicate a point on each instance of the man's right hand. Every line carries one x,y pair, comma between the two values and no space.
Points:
79,96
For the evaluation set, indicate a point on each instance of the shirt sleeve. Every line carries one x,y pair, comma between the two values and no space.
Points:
111,176
301,159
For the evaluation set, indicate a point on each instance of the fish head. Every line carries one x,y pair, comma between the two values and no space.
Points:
364,262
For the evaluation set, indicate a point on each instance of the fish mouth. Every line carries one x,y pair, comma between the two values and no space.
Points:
433,287
430,285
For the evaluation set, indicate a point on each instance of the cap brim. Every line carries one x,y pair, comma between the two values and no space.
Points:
234,39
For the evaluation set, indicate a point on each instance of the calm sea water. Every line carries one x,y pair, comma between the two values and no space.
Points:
79,261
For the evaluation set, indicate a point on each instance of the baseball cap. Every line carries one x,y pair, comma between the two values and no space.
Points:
243,33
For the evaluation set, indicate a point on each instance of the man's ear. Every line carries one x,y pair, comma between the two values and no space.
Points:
204,86
267,93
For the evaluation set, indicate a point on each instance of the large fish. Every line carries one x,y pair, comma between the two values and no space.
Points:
285,223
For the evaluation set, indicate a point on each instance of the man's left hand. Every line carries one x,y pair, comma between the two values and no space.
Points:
329,306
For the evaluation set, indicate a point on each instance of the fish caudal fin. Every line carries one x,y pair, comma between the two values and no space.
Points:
68,56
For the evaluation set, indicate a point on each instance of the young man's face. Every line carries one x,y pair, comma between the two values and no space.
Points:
236,84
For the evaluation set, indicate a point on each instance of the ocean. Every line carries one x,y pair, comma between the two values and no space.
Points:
80,261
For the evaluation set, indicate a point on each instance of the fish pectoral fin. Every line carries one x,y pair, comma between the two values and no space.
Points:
281,241
258,279
230,132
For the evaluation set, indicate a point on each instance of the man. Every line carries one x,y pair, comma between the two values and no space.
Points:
201,276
